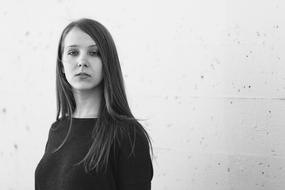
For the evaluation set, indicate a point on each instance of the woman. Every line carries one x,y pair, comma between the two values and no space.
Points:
96,143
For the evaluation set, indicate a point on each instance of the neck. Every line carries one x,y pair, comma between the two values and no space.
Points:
87,103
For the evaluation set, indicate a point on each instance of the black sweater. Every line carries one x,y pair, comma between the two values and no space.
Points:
125,171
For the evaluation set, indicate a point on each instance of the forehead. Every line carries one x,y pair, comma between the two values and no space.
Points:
79,38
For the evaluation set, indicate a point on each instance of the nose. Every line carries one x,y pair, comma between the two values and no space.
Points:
82,61
84,64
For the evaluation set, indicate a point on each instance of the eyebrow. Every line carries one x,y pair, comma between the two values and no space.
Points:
79,46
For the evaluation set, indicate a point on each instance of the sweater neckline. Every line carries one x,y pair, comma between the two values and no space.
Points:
78,120
89,120
84,118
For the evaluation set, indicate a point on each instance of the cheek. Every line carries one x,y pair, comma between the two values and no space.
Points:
67,70
98,66
100,69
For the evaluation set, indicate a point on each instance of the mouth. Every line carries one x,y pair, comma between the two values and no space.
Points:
82,75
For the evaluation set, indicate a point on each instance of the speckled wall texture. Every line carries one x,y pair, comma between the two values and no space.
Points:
207,78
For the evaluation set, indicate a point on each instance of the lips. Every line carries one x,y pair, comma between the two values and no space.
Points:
83,74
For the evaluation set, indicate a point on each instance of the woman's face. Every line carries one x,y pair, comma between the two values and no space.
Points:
80,55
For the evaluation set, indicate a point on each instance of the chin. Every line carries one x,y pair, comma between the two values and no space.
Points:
84,87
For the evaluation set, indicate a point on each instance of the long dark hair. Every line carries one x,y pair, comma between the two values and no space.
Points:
114,111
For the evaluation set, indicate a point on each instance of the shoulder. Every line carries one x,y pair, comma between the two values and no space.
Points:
133,137
55,124
134,162
55,133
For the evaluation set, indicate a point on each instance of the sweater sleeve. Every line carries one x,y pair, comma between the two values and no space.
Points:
135,170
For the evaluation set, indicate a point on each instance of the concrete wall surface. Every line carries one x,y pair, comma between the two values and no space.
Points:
207,78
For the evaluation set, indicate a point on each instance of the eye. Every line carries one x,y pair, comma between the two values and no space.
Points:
73,52
94,53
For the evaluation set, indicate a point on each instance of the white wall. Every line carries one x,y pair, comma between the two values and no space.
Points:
208,77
